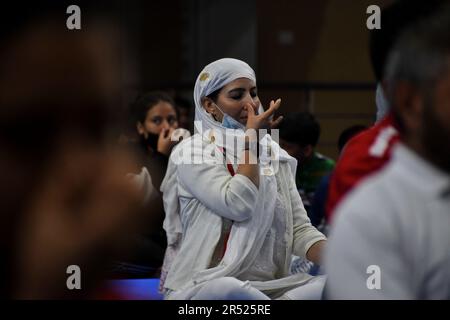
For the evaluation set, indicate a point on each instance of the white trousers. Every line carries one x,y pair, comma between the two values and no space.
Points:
228,288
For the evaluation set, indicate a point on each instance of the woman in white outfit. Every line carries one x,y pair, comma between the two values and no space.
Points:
233,215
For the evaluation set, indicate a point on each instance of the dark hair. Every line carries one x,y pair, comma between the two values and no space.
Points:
394,19
349,133
301,128
146,101
182,103
214,95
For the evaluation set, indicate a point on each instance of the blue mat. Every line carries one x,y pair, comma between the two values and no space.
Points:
137,289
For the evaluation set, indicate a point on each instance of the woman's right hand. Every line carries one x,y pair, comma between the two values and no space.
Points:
165,143
265,119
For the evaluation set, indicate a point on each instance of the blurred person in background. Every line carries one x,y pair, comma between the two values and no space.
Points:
347,134
65,199
299,134
185,115
154,118
317,212
391,235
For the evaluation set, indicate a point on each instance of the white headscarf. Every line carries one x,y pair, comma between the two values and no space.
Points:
246,237
213,77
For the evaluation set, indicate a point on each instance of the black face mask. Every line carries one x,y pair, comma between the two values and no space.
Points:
151,141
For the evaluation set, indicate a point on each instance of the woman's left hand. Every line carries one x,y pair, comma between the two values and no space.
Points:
265,119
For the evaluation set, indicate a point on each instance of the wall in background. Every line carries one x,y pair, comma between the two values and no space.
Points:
289,43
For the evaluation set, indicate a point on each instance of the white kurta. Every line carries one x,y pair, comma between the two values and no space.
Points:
395,225
207,195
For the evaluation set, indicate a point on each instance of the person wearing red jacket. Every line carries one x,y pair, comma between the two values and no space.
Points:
363,155
370,150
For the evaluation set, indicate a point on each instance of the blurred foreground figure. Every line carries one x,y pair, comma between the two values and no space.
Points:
391,239
64,196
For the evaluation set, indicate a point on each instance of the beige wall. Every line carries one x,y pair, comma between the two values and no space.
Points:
327,41
320,41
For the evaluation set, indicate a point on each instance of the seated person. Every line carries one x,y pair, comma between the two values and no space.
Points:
155,121
299,134
317,214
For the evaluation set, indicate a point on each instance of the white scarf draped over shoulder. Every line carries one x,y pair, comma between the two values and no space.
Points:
246,237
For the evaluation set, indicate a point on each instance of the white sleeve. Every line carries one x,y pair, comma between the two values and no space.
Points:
232,197
364,259
143,181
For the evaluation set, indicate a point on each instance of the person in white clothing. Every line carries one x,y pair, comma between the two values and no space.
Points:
391,238
233,216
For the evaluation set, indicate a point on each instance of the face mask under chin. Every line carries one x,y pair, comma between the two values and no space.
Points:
229,122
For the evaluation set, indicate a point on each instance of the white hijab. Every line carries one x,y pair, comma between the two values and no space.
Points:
246,237
213,77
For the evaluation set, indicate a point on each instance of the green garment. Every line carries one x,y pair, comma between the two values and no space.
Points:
309,175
